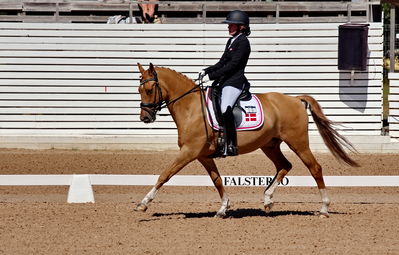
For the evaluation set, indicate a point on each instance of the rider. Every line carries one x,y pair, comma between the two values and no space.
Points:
228,76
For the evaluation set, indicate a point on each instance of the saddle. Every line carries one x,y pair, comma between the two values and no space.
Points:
248,112
214,95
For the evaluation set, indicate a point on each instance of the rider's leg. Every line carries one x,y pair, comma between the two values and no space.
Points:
230,146
228,99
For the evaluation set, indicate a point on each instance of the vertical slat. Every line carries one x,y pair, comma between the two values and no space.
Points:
393,98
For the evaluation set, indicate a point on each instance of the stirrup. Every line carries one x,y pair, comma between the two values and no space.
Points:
217,154
220,148
230,150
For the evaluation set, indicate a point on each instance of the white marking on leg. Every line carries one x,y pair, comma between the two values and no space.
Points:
326,202
225,206
268,202
149,197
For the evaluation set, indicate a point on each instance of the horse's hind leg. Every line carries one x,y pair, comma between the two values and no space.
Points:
283,166
213,172
303,151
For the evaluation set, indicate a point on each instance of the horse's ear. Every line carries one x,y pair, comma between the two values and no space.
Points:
141,69
152,69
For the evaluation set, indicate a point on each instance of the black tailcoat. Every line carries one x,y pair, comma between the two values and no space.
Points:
229,71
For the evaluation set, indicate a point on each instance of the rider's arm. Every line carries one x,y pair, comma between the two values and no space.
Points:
216,66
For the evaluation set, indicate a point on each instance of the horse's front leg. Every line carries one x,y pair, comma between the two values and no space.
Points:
213,172
143,205
181,161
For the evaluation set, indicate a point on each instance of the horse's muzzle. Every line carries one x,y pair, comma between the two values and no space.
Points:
147,115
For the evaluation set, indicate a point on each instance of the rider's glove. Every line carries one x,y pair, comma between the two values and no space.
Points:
201,75
205,79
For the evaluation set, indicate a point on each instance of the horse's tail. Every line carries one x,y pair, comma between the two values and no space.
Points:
331,137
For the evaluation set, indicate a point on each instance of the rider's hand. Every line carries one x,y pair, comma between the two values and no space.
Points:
205,78
201,75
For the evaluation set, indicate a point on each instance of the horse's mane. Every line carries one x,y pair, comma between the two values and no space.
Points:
178,74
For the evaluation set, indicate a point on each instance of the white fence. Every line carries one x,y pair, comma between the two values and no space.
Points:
393,99
81,79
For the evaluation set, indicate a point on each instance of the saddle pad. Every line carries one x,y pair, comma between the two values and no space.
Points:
252,118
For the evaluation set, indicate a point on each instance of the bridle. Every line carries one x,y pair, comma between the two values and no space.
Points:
154,107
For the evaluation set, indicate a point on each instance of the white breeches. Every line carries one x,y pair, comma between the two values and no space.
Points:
229,97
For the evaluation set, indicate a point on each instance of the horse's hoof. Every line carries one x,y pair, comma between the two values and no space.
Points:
141,208
220,215
324,215
268,207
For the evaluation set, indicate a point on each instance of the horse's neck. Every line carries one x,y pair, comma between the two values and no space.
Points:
176,86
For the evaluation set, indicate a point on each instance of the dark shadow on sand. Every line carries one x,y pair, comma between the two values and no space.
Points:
240,213
235,214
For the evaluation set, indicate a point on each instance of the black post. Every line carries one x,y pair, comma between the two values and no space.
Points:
392,41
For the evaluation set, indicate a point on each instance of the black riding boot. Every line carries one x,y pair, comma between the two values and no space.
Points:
230,134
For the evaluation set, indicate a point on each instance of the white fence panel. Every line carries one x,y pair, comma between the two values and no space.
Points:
81,190
82,79
393,98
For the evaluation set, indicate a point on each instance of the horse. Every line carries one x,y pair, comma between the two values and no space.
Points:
286,120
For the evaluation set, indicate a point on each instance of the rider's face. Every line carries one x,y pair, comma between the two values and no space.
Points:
233,29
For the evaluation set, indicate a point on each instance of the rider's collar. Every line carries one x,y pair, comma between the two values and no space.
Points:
233,38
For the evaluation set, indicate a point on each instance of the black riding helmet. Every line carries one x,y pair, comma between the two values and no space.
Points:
237,17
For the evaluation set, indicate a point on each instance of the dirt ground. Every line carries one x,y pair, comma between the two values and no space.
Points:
37,220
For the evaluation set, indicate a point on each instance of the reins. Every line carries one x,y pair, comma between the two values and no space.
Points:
203,102
165,104
162,103
157,106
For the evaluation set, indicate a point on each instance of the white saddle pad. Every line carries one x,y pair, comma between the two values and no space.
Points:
252,118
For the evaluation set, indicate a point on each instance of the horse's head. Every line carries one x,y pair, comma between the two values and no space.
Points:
151,94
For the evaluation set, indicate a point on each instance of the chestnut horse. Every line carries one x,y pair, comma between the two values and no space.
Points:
286,120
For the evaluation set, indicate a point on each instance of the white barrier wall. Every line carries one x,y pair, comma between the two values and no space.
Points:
393,98
81,191
82,79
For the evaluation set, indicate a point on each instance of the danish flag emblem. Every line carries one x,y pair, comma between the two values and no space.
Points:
250,114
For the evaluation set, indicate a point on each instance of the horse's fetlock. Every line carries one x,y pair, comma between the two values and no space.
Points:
268,206
326,201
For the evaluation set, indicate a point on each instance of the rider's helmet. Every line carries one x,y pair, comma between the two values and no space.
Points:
237,17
